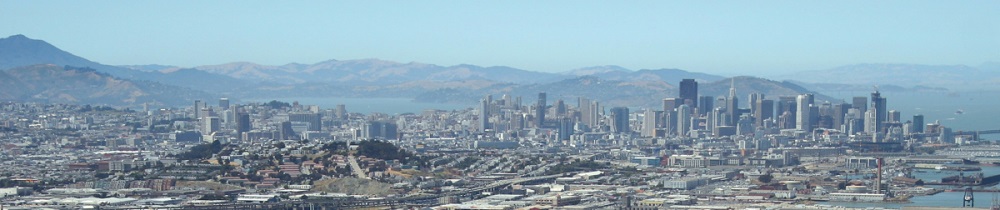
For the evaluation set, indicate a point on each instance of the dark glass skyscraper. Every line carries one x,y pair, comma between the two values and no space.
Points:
861,103
705,104
918,123
242,122
689,93
878,103
619,118
765,110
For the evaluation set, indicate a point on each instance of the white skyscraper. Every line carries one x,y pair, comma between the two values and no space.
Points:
683,120
802,112
649,123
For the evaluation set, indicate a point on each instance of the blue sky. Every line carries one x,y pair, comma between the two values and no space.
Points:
721,37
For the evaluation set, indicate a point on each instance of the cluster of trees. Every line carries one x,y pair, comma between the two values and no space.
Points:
587,165
382,150
201,151
466,162
88,108
274,104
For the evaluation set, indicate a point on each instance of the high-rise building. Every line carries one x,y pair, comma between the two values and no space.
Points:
595,113
669,119
649,122
565,129
560,108
870,118
744,125
669,104
878,104
918,123
705,105
802,120
224,103
197,109
861,103
619,120
839,111
341,112
314,120
683,120
484,116
286,132
764,111
211,125
754,97
689,93
894,116
732,104
540,111
242,122
379,130
584,105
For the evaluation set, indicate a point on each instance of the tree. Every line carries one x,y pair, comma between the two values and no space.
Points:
766,178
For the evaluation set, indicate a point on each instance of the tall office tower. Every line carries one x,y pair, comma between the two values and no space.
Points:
918,123
803,115
669,104
507,101
712,119
878,104
894,116
484,115
211,125
839,110
744,125
669,122
786,120
595,114
540,111
705,105
584,105
197,109
649,119
853,121
560,108
689,93
228,119
517,103
206,112
565,129
619,120
765,111
224,103
315,121
341,112
733,104
683,120
754,97
869,121
861,103
786,104
242,122
379,130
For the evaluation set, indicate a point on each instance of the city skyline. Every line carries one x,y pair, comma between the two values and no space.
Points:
767,38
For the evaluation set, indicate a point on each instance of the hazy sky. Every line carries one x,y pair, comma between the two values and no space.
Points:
722,37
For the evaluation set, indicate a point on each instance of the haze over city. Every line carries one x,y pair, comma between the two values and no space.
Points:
453,105
759,38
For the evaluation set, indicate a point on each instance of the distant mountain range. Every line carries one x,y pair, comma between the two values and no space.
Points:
906,76
50,83
613,85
